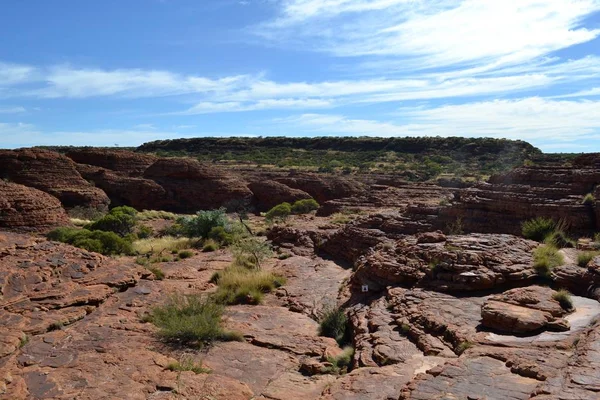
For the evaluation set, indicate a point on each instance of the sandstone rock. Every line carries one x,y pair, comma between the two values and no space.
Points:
270,193
28,209
461,263
123,162
52,173
191,186
324,188
514,319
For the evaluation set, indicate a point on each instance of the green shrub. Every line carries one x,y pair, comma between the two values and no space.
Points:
538,229
107,243
334,324
220,235
144,232
190,319
342,363
158,273
560,240
279,212
120,220
203,222
238,285
304,206
585,257
588,199
463,346
160,245
183,254
545,258
209,246
564,299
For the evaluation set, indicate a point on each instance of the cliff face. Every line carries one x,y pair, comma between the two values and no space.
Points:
52,173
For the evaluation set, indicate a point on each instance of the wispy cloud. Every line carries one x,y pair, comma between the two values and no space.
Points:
432,34
12,110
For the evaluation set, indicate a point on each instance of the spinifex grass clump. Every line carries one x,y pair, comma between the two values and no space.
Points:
545,258
190,319
334,324
585,257
564,299
165,244
240,285
538,229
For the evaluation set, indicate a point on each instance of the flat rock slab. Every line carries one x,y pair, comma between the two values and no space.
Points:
279,328
482,378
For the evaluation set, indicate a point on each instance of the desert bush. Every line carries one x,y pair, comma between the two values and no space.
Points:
120,220
334,324
239,285
538,229
190,319
107,243
158,273
220,235
585,257
559,239
279,212
588,199
183,254
564,299
209,246
340,219
545,258
304,206
144,232
203,222
251,251
163,244
342,363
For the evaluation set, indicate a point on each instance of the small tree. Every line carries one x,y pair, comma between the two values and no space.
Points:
304,206
280,211
251,250
204,221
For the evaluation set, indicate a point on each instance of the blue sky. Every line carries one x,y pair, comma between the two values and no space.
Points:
129,71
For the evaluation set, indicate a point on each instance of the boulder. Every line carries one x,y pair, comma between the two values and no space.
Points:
270,193
27,209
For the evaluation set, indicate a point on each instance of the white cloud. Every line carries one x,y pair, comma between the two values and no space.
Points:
11,74
12,110
434,33
266,104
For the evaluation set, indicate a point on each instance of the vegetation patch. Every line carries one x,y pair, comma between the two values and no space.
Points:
463,346
183,254
165,244
588,199
545,258
188,364
342,363
107,243
191,319
279,213
158,273
120,220
585,257
564,299
334,324
239,285
203,222
251,251
150,215
538,229
304,206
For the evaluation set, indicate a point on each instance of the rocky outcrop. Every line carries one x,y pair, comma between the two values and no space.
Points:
28,209
52,173
191,186
455,263
140,193
270,193
323,188
524,310
124,162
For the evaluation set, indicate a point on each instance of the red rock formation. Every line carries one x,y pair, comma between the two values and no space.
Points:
326,187
191,186
270,193
28,209
52,173
124,162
